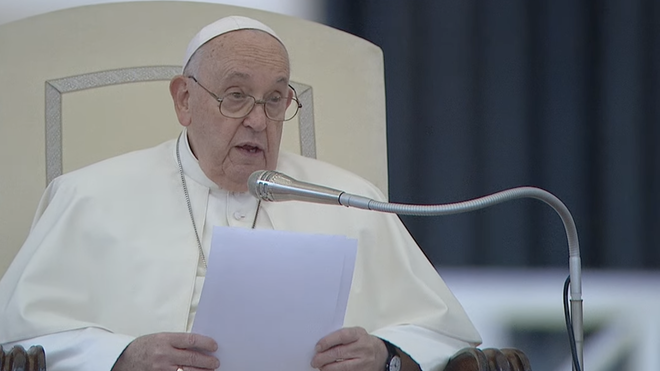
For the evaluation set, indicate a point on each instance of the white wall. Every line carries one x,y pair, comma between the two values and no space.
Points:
620,310
11,10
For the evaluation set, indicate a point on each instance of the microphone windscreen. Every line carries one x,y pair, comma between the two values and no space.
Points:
253,182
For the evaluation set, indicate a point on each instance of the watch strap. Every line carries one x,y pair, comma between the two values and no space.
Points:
391,353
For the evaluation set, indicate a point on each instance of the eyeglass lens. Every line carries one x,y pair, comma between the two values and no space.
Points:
239,105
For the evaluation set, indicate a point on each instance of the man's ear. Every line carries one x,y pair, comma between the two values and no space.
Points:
181,98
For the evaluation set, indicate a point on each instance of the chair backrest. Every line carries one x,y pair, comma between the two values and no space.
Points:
83,84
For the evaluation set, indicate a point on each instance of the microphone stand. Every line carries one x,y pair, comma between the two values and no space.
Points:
575,270
270,185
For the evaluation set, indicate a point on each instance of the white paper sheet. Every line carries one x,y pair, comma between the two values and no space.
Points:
269,296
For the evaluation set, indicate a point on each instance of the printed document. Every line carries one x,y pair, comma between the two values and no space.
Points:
270,296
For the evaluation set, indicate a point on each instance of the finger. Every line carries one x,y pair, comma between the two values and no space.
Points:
341,336
193,341
338,353
187,359
323,362
343,365
189,368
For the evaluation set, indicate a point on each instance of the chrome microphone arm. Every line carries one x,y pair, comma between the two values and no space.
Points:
575,263
274,186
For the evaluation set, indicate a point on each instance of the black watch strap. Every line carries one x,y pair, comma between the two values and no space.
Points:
391,353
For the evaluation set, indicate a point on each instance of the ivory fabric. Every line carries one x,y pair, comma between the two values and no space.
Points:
222,26
112,247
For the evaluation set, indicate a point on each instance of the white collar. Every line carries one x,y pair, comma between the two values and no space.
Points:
192,169
190,164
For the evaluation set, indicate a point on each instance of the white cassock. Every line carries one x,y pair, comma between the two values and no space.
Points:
112,255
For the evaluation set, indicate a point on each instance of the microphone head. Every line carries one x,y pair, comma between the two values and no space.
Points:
253,183
260,181
269,185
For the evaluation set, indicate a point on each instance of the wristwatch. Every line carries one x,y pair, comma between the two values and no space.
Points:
393,362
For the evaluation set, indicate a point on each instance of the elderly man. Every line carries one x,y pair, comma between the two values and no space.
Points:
111,273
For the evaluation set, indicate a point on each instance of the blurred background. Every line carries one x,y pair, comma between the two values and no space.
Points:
483,96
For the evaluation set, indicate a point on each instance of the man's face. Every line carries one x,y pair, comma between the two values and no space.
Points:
229,150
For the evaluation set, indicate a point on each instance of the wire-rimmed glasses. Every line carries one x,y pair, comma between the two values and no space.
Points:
238,105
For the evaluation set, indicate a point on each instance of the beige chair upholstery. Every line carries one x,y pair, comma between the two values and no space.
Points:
87,83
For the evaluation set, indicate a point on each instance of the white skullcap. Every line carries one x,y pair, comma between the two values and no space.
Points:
222,26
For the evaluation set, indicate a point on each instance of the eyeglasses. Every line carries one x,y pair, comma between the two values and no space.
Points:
238,105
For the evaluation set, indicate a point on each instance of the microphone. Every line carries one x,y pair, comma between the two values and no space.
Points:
268,185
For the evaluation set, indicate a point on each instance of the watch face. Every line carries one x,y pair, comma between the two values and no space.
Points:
395,364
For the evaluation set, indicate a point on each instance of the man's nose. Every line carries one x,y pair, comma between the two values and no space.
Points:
257,118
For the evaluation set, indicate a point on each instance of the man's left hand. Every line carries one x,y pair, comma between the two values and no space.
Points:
350,349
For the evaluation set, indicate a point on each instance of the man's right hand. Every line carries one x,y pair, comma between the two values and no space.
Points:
168,352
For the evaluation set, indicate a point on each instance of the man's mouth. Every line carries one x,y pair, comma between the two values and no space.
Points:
249,148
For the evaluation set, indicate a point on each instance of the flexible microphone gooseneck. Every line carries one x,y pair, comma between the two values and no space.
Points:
268,185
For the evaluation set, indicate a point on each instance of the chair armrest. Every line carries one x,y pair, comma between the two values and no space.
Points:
491,359
17,359
467,359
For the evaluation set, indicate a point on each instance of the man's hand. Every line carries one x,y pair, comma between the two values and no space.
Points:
168,352
350,349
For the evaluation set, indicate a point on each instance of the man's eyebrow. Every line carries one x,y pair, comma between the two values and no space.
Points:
245,76
239,75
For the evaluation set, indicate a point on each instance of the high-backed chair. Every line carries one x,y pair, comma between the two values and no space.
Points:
87,83
84,84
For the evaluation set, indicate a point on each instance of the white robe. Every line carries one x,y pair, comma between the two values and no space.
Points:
112,255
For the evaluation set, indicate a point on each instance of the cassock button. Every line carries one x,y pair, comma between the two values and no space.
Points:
239,215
